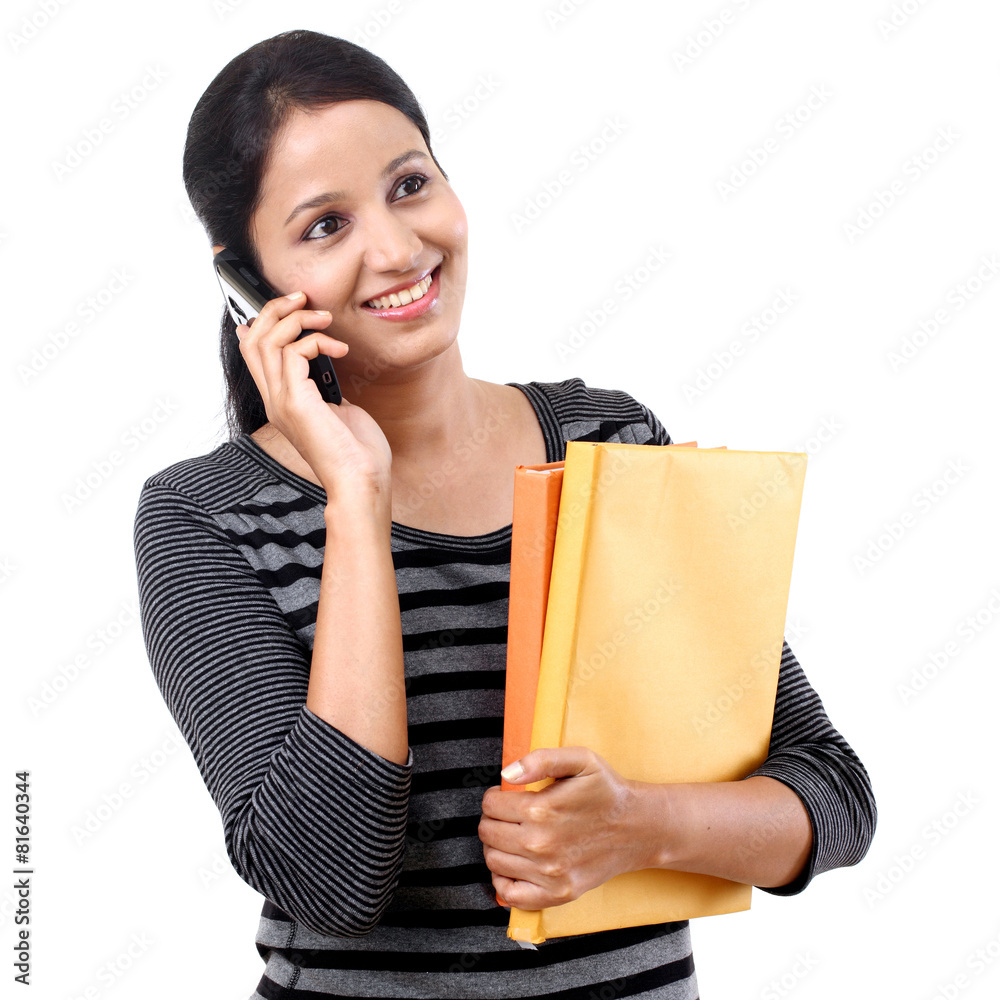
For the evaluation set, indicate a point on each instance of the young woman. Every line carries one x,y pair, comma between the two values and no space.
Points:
324,596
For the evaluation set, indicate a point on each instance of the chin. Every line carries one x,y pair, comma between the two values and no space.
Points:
394,356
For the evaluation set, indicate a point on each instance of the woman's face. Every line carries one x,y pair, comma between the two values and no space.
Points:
353,209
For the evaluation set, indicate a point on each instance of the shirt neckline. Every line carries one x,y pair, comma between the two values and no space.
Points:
547,419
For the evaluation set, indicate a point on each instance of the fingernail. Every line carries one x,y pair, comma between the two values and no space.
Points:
293,295
512,771
323,312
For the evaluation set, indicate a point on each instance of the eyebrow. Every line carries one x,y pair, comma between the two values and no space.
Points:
328,196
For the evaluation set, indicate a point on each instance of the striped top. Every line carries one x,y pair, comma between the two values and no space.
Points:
372,871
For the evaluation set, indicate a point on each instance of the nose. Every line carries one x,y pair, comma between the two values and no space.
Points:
391,243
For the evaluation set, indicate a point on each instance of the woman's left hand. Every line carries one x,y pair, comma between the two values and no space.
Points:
549,847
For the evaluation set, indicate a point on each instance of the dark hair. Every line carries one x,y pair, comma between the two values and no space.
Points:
229,139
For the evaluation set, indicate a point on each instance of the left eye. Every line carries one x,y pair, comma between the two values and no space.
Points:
322,226
412,184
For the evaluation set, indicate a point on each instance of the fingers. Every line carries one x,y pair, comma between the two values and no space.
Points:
498,835
527,895
552,762
510,866
504,805
279,323
278,360
523,884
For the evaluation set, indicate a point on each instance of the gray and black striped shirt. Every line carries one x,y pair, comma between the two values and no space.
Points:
372,871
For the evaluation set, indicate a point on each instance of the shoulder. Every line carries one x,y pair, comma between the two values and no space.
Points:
592,413
216,481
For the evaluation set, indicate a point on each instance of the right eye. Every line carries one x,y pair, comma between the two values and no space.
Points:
323,226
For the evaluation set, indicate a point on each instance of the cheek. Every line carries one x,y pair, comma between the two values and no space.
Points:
326,286
455,225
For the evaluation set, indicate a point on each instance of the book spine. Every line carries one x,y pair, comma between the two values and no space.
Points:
559,638
530,568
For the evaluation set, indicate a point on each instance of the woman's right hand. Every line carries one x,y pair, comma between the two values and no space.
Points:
342,444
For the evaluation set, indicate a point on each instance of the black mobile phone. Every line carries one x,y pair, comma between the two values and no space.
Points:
246,292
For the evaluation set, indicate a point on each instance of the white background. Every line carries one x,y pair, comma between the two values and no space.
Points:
124,909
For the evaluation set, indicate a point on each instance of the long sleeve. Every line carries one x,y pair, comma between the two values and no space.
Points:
312,820
815,761
810,756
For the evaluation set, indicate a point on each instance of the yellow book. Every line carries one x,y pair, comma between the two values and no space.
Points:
662,642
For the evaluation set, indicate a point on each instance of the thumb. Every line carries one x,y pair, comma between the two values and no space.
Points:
549,762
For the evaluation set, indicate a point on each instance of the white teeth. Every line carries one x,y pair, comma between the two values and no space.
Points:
403,298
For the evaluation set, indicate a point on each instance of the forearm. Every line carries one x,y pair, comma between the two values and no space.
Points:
755,831
356,680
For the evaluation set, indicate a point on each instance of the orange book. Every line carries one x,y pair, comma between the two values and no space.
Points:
533,536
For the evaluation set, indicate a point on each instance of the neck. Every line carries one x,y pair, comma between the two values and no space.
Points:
421,411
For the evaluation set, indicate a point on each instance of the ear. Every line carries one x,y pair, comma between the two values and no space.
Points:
216,250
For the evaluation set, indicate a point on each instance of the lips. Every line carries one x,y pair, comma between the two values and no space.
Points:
426,291
401,295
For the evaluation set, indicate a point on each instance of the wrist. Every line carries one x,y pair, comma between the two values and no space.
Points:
358,506
653,809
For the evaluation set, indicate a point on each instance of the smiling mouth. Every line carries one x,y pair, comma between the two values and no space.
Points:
403,297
